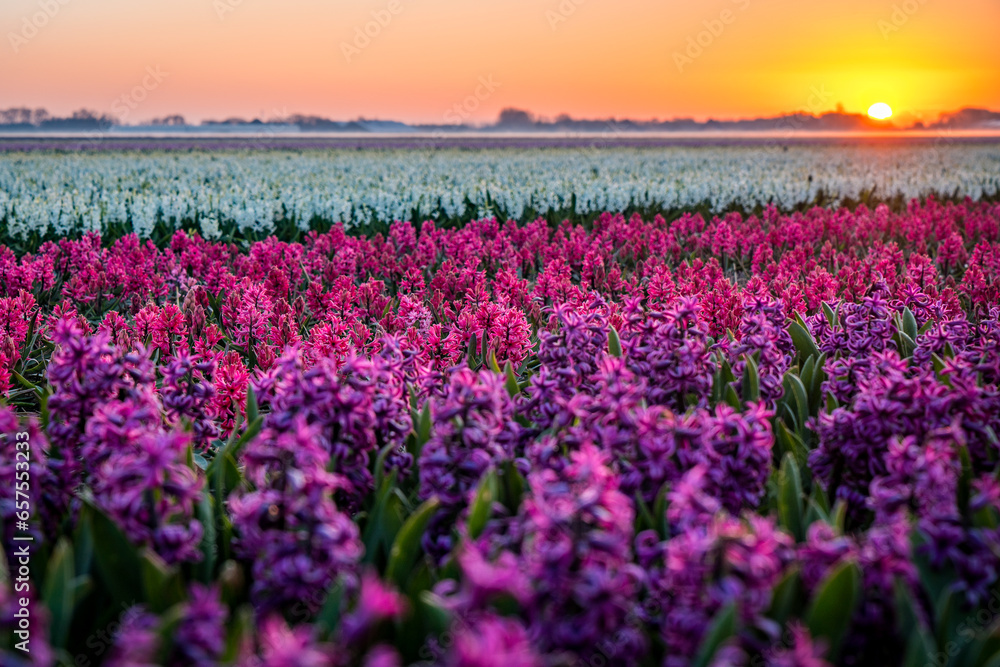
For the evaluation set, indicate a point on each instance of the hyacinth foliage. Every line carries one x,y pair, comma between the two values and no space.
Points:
740,441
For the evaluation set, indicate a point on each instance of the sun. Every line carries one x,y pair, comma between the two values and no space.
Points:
880,111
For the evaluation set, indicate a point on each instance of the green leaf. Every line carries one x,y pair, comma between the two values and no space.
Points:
723,627
920,643
83,546
379,468
223,476
513,486
730,396
484,354
422,579
937,362
935,581
789,441
59,592
794,387
906,345
751,380
494,366
814,513
790,497
209,548
406,547
44,408
329,615
832,607
806,374
986,649
716,388
253,410
787,597
511,380
167,631
949,615
251,432
726,371
838,515
819,496
643,516
435,613
614,342
803,341
482,506
116,559
472,358
384,521
993,661
831,316
788,414
162,583
815,386
424,426
909,323
239,632
24,383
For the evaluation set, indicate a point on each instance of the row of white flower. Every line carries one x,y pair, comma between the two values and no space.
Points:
69,194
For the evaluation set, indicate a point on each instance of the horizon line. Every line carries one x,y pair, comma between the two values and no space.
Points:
510,117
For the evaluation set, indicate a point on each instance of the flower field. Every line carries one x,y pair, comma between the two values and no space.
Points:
48,195
762,438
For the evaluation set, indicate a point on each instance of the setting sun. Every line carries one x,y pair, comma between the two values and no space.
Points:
880,111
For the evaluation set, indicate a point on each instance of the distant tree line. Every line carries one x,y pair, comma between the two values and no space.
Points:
40,118
81,119
512,119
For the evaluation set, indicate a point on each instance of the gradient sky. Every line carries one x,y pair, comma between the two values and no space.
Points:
588,58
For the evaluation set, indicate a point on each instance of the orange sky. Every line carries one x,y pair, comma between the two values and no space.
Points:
588,58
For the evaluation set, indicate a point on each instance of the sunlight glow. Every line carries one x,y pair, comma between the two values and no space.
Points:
880,111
